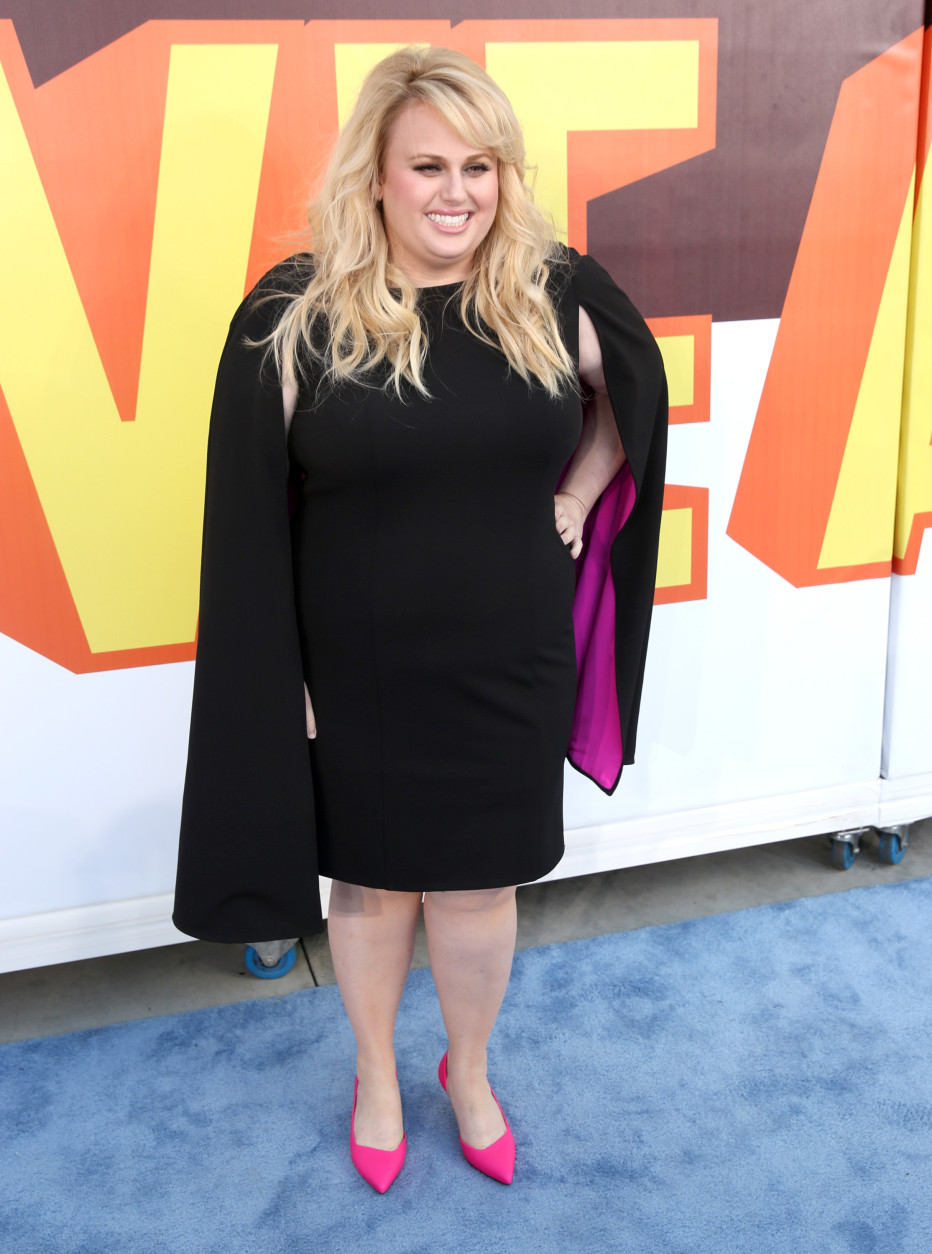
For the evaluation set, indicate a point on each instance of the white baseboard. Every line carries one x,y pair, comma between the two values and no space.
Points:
144,922
112,927
739,824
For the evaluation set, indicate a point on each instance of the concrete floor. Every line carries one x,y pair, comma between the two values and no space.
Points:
99,991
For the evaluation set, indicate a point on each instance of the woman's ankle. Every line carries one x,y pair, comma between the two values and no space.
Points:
468,1067
377,1069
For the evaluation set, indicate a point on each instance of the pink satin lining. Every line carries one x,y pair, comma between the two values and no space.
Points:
595,742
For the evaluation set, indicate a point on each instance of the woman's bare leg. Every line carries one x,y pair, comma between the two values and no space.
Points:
371,933
471,940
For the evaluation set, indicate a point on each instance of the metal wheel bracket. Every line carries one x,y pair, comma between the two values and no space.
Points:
900,830
850,837
271,952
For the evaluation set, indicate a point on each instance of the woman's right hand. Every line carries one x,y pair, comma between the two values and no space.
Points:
309,713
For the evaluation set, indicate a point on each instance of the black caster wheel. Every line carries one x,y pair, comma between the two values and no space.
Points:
844,853
891,847
282,967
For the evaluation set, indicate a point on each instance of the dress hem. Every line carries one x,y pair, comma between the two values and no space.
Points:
433,887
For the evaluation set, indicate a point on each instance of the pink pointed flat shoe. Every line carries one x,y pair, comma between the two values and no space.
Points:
496,1160
377,1167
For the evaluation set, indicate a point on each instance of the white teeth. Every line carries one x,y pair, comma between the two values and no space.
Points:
448,219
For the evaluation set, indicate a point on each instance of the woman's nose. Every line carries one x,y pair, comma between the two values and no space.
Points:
453,187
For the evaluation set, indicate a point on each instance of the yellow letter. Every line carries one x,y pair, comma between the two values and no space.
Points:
858,529
123,499
580,86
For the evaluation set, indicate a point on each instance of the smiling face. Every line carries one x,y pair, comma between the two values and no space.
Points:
439,197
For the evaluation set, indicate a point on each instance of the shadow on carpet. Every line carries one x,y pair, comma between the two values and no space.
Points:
750,1083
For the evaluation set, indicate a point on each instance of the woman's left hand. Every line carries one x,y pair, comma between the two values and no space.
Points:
570,514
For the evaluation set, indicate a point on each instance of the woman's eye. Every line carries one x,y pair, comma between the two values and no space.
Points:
431,167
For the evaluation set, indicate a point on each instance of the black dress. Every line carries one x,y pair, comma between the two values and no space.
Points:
435,604
423,592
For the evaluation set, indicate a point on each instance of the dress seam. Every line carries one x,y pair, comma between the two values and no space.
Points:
374,565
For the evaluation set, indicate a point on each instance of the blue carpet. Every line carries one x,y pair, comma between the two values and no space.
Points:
751,1083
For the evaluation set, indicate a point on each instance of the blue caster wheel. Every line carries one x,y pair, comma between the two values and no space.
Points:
843,854
282,967
891,848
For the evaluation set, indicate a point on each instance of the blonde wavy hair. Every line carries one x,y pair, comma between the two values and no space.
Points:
361,306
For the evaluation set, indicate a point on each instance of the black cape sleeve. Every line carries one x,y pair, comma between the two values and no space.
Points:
247,862
612,620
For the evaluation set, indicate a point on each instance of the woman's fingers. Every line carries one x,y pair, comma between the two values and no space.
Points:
572,542
570,536
569,521
309,714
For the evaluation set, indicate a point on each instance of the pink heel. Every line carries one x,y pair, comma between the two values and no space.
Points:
496,1160
377,1167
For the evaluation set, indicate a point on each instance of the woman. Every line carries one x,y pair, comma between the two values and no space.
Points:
426,365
